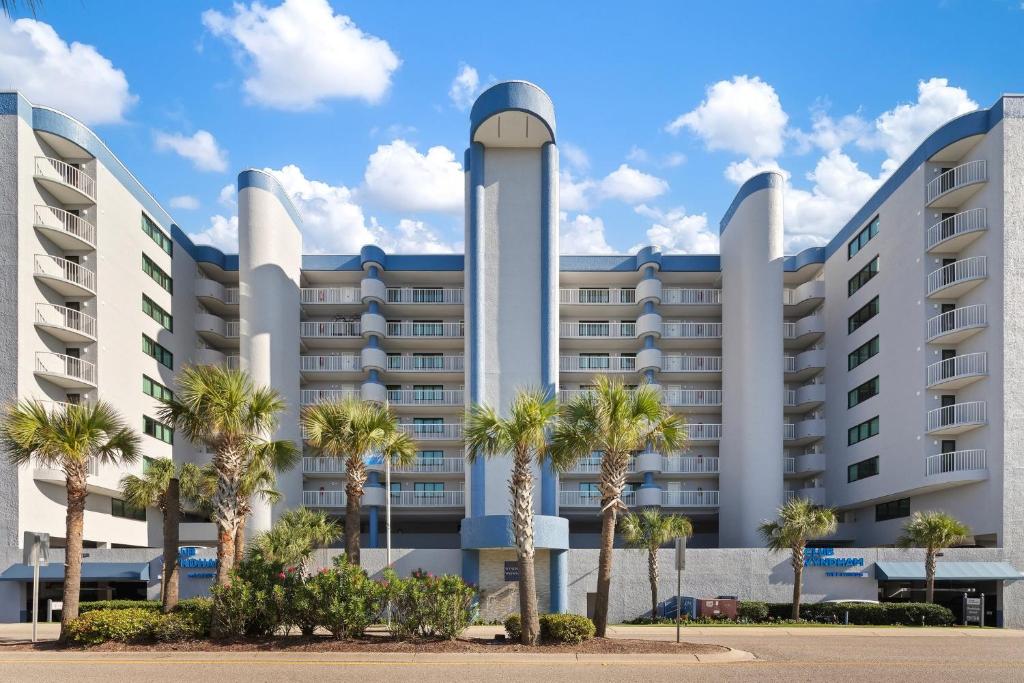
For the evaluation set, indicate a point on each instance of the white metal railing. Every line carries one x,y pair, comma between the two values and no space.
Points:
231,296
956,461
65,221
972,220
690,499
331,295
309,397
965,174
585,330
789,465
788,330
346,363
430,432
789,397
323,499
592,465
696,296
330,329
966,317
691,330
233,362
596,295
969,413
703,432
692,397
590,499
677,363
425,329
432,466
63,269
788,431
597,363
323,465
689,464
445,363
789,363
62,171
427,499
567,395
424,295
67,366
68,318
232,329
970,268
967,365
426,397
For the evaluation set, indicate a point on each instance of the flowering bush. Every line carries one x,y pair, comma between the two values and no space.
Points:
425,606
344,600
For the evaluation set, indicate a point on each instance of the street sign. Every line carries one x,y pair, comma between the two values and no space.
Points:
680,554
36,544
974,610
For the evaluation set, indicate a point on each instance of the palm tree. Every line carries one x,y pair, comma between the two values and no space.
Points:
932,531
352,430
649,530
799,519
295,536
8,6
68,438
159,487
524,434
617,422
222,409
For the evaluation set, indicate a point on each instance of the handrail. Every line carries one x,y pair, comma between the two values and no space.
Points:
68,318
965,174
59,219
56,169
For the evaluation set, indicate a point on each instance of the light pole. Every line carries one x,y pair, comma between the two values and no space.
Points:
387,509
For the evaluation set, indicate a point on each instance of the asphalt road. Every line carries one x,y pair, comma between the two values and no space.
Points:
802,654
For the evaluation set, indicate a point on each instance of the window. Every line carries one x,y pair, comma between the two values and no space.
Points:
428,392
119,508
430,461
894,509
862,238
157,430
865,430
162,355
595,361
158,314
150,268
156,234
863,314
151,387
428,489
147,463
862,470
862,353
862,393
428,425
862,277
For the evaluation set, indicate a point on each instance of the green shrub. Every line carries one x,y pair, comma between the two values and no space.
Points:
866,613
916,613
571,629
179,626
234,606
201,606
514,628
301,608
120,625
752,610
425,606
93,605
344,599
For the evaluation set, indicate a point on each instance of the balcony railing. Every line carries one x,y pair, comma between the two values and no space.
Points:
597,364
703,432
789,465
965,174
65,366
66,318
309,397
330,330
691,330
691,363
323,466
957,367
231,296
957,415
62,171
58,219
445,363
424,295
689,464
956,461
971,268
590,499
427,499
432,466
788,432
694,296
323,499
233,362
350,363
426,397
957,320
592,465
331,295
963,223
690,499
433,432
423,329
597,295
232,329
692,397
582,330
63,269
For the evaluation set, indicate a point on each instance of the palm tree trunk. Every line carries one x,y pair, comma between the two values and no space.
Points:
528,616
170,582
240,541
929,575
225,552
355,479
798,579
604,571
521,485
73,549
652,575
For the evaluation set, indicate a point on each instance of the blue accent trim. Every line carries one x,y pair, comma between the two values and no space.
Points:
649,272
394,262
792,264
373,342
649,481
475,302
762,181
495,531
625,263
648,255
559,581
374,307
512,96
648,307
373,538
649,341
649,373
13,104
371,254
548,305
373,478
471,567
373,272
261,180
374,377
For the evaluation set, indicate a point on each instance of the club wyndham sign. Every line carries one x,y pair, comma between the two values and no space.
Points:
836,565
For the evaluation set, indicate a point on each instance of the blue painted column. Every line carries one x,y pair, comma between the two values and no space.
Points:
559,579
475,250
373,541
549,304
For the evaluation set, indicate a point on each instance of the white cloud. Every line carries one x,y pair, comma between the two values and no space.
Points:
638,155
228,196
743,115
465,87
583,235
185,201
574,195
574,156
301,53
675,231
222,233
674,159
74,78
827,133
739,171
201,149
398,177
630,185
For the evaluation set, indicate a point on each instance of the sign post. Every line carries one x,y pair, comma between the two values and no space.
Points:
36,548
974,610
680,566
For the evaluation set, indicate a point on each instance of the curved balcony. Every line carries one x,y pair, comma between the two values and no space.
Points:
956,325
65,371
207,356
957,418
373,289
804,331
692,330
216,297
957,467
429,398
597,296
597,330
804,465
64,276
648,324
689,296
373,359
813,494
374,392
373,324
648,290
804,298
806,397
648,359
808,431
426,363
956,232
689,499
590,499
310,397
451,431
689,464
212,328
63,228
69,184
427,330
596,364
957,185
804,365
101,478
957,278
958,371
692,398
65,323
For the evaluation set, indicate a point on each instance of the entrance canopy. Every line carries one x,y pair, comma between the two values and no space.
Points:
947,571
91,571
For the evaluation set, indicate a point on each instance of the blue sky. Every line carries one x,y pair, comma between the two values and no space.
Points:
662,108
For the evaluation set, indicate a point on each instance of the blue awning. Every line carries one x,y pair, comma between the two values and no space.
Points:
91,571
948,571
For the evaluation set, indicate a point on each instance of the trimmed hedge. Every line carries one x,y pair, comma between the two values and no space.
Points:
120,625
752,610
570,629
861,613
93,605
514,627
